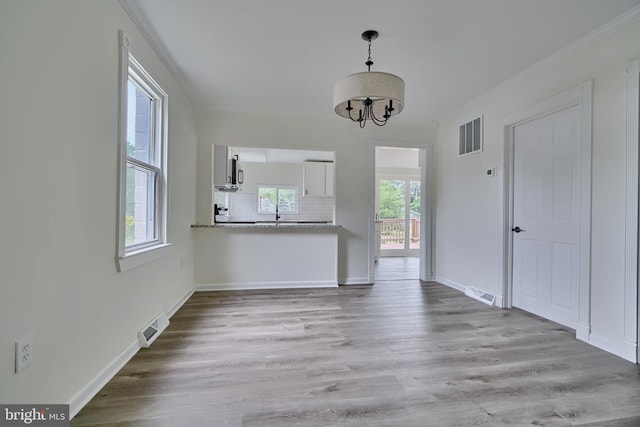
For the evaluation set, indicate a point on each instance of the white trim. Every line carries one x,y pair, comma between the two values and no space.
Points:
582,97
586,144
426,211
143,256
631,285
427,219
84,396
622,348
622,21
355,281
372,240
450,283
142,24
265,285
178,304
80,399
127,258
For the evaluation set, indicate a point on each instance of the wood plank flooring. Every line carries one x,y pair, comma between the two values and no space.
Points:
399,353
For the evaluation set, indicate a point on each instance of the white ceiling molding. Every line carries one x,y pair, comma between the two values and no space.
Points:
611,27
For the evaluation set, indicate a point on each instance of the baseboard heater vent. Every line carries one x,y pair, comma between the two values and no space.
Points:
481,296
152,331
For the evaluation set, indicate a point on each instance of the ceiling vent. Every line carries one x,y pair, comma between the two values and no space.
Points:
152,331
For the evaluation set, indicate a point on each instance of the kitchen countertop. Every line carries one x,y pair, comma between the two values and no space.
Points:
272,225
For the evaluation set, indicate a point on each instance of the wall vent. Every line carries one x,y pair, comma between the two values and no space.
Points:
149,334
470,140
481,296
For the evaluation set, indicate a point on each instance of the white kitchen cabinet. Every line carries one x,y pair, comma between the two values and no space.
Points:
317,179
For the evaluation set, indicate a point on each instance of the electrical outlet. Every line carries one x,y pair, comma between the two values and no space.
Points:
24,352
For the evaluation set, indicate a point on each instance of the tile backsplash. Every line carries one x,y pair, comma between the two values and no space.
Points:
244,205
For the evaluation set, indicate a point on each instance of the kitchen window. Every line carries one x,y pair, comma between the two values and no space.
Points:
285,197
143,159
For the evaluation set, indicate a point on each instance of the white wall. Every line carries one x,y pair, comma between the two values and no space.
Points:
467,205
346,139
59,63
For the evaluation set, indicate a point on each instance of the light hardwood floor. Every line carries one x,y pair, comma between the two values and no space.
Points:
399,353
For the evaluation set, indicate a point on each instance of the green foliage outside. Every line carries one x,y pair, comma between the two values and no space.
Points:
130,220
286,199
130,229
391,199
391,195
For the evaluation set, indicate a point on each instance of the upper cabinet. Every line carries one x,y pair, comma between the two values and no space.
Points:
317,179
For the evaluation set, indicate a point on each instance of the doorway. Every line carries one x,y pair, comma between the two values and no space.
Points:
400,220
530,269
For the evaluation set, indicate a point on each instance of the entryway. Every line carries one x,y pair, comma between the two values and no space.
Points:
400,213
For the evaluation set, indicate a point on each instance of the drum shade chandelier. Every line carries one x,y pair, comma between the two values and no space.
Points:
370,95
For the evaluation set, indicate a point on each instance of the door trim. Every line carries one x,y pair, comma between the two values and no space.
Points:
580,96
631,336
426,213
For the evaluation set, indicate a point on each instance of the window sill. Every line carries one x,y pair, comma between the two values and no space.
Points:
143,256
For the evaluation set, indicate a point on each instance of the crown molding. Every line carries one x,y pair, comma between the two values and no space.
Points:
143,25
622,21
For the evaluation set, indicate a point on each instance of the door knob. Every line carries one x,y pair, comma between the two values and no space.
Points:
517,230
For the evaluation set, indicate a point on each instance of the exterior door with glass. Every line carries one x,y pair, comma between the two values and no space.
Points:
398,215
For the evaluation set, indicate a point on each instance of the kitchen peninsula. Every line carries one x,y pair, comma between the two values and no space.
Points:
266,255
272,221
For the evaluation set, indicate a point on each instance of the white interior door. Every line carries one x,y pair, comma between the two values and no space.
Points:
546,216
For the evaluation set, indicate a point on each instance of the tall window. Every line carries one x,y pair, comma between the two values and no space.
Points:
142,212
285,197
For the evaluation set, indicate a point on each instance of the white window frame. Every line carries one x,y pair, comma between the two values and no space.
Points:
129,257
279,187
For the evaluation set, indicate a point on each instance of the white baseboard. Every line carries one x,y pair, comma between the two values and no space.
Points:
582,332
500,302
265,285
80,399
626,350
94,386
427,278
451,284
355,281
175,307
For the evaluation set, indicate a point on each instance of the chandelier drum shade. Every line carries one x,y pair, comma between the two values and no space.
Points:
370,95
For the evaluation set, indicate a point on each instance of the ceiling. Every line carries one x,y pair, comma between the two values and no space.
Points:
284,56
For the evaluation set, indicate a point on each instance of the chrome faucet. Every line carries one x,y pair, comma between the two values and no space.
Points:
277,214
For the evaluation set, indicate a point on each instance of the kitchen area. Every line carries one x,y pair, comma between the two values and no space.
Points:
272,223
